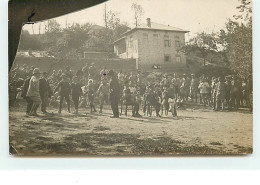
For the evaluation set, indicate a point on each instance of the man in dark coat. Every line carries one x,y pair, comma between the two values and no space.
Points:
65,91
114,93
45,91
23,95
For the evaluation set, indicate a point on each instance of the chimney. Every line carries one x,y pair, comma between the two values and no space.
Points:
149,22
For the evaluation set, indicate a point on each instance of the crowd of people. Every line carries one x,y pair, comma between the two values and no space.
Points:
89,87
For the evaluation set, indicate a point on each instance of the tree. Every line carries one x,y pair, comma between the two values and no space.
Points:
236,40
71,41
202,45
114,28
53,26
29,41
138,13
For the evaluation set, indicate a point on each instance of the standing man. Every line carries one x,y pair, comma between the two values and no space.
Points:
45,91
23,95
221,93
65,91
114,93
103,92
33,92
204,91
194,88
76,92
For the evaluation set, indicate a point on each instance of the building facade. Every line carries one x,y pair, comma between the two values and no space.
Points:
153,46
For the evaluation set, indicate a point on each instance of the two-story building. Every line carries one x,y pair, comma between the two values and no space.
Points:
153,45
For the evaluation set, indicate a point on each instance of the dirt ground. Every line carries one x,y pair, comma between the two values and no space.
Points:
197,130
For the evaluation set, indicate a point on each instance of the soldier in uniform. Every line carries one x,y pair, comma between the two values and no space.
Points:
45,91
90,95
103,92
114,90
76,92
65,91
214,93
165,100
157,99
204,91
176,84
221,93
184,89
137,102
194,88
127,97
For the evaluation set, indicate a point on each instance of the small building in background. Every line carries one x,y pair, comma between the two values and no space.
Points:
153,44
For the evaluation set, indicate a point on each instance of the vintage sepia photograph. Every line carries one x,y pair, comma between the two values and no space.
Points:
134,78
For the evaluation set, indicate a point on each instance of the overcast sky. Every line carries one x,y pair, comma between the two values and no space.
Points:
192,15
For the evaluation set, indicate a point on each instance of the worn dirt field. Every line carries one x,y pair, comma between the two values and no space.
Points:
196,130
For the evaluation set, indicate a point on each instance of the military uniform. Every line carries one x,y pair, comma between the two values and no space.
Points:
194,89
221,94
114,90
65,90
45,93
103,92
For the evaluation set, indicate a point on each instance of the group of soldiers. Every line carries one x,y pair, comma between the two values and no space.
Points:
88,87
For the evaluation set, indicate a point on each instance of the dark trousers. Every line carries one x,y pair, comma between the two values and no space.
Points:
67,98
75,99
114,105
92,106
29,104
157,108
136,109
194,95
44,99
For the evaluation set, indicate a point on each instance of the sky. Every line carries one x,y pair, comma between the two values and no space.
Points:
192,15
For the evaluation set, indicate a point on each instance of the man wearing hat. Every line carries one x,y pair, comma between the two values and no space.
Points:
33,91
114,93
45,91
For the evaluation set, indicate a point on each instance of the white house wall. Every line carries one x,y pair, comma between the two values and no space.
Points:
153,52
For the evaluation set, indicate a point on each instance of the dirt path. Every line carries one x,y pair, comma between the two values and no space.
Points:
194,131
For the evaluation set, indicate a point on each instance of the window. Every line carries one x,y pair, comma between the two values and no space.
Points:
177,41
145,37
167,58
131,42
167,42
177,44
178,59
155,39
